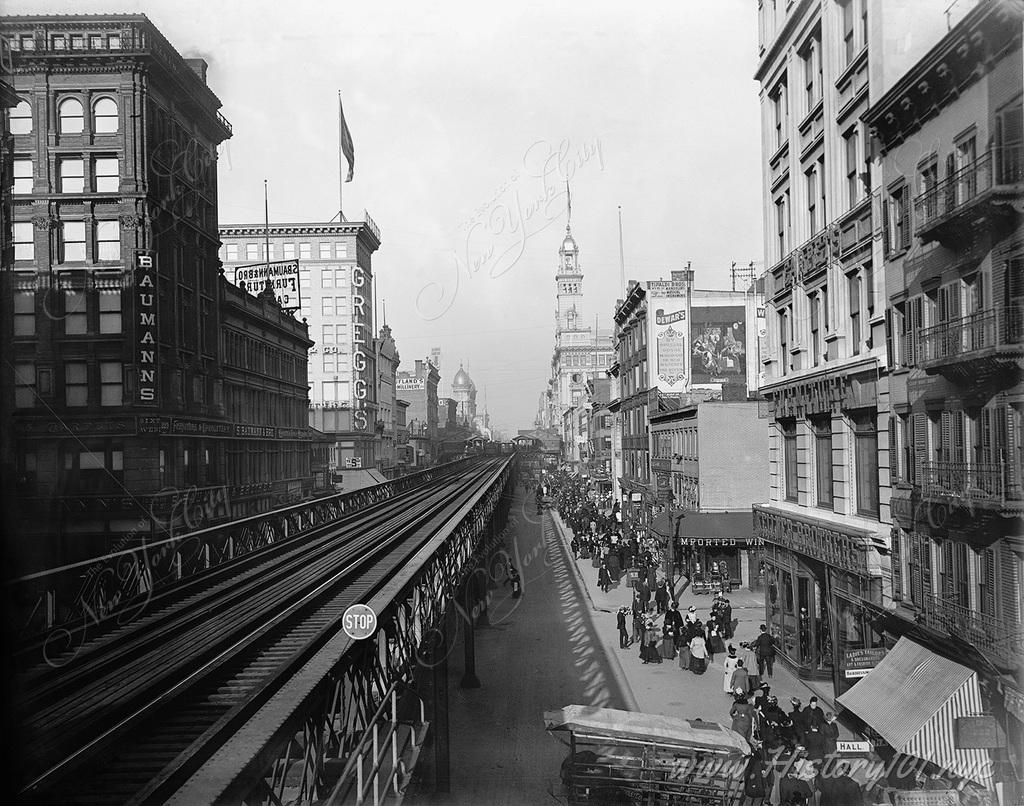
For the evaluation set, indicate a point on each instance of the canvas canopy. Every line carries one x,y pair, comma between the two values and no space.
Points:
633,726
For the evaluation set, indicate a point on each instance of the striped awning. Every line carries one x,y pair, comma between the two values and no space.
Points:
912,698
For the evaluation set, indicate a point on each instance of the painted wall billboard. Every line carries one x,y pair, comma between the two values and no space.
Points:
718,341
284,279
668,351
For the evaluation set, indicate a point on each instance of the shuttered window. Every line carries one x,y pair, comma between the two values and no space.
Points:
1010,592
896,560
987,582
919,448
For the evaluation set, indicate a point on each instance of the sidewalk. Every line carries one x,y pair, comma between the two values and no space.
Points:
665,688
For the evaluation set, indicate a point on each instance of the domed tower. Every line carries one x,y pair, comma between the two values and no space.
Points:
464,395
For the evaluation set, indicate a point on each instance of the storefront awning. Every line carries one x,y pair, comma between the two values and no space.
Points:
912,698
738,525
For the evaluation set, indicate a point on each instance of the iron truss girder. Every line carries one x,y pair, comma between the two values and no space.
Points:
309,758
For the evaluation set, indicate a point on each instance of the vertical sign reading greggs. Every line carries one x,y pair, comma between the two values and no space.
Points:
359,364
145,328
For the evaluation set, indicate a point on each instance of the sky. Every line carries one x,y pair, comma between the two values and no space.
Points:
467,120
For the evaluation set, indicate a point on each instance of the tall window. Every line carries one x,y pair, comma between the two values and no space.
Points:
822,211
854,186
106,177
1009,145
779,112
305,251
849,24
812,201
76,319
897,220
111,383
108,240
328,334
24,240
811,57
72,241
104,116
19,120
330,362
780,223
327,306
25,312
963,164
22,169
110,310
815,303
865,436
325,250
70,118
327,277
24,386
72,175
76,384
289,251
823,460
928,178
853,284
784,339
789,458
252,251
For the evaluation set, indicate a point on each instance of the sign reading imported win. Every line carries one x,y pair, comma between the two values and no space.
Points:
284,279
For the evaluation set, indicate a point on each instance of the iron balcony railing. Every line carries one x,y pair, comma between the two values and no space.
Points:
978,482
992,327
1002,165
1000,638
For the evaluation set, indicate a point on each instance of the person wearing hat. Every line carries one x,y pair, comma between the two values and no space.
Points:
799,718
764,650
674,619
831,731
620,622
815,716
740,678
729,665
742,716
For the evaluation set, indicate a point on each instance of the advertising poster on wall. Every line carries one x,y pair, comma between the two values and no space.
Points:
718,345
667,335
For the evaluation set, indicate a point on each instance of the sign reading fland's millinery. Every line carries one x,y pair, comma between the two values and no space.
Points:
145,328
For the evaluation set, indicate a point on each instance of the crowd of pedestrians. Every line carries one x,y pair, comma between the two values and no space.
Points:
794,752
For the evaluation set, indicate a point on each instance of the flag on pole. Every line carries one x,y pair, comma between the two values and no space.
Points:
346,141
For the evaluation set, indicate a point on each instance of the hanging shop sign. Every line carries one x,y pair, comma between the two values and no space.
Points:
853,747
283,276
859,662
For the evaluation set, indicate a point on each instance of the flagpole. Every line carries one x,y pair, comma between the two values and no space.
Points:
341,167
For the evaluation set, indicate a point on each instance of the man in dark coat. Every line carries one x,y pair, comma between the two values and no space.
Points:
674,619
727,619
620,622
799,718
764,650
815,716
831,731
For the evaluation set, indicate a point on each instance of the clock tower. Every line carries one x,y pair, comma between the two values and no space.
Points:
569,280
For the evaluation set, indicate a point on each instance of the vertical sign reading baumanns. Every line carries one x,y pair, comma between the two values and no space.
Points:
145,328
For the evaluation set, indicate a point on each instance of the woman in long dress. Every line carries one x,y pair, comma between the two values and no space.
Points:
730,666
668,642
698,654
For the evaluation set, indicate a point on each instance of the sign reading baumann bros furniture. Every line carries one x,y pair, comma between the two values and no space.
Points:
145,328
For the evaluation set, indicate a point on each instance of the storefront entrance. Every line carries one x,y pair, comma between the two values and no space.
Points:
797,612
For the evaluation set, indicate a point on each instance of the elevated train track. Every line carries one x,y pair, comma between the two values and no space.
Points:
138,708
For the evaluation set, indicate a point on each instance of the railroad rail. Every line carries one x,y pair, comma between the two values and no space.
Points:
131,714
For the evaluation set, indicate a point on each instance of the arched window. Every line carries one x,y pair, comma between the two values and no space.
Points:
104,116
20,120
70,116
